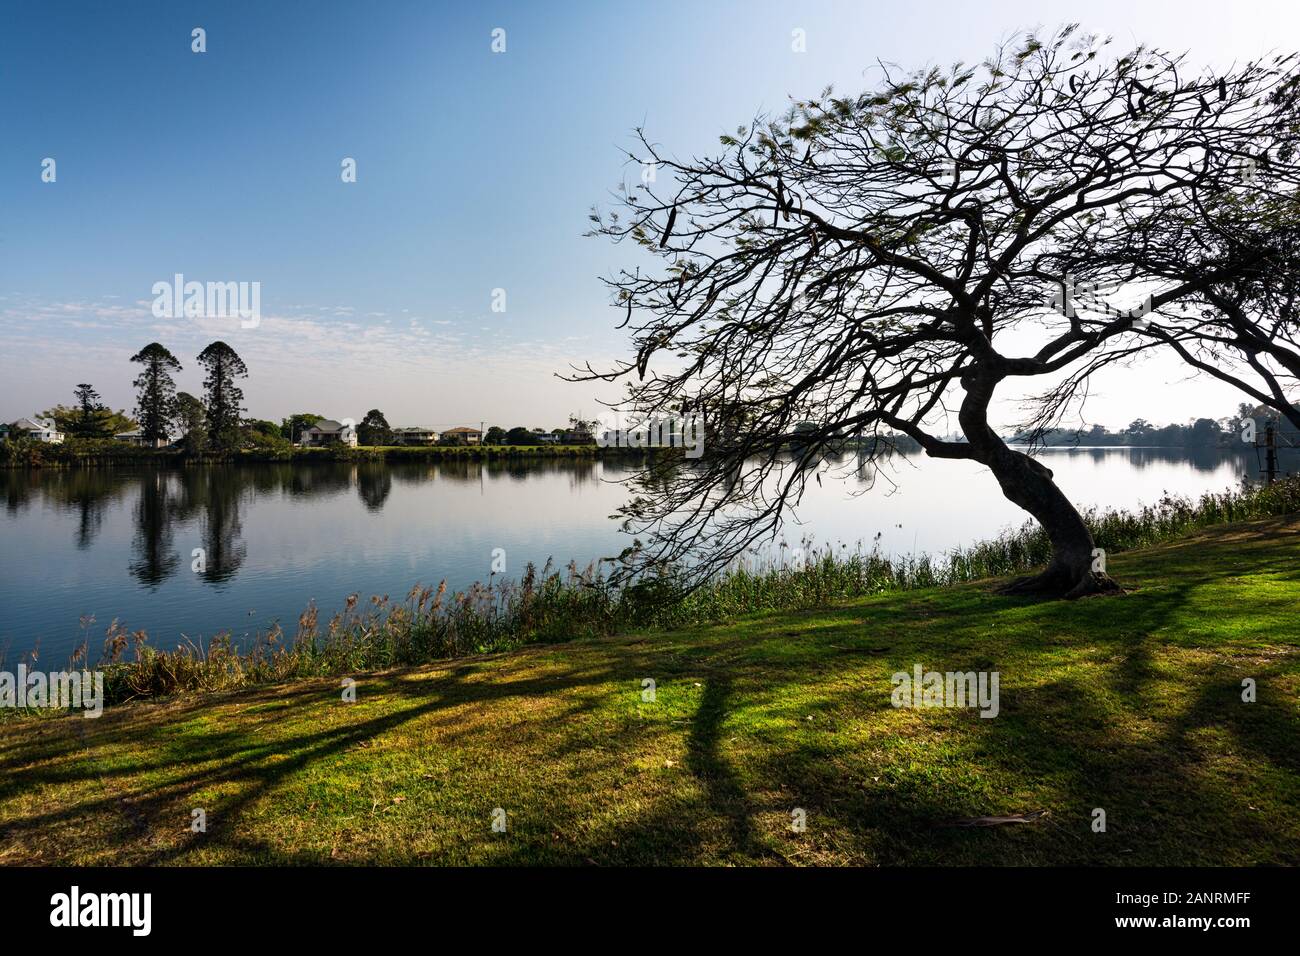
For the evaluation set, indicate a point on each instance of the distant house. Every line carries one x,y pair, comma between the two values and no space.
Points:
136,437
579,435
462,436
40,429
415,435
546,438
329,432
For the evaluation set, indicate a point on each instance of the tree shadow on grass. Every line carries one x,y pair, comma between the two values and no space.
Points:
1074,742
228,761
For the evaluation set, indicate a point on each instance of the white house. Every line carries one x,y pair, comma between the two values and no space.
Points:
41,429
329,432
136,437
415,435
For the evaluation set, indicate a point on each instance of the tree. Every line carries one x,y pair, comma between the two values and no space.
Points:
1204,431
581,431
1139,430
374,429
106,422
91,414
155,391
495,435
87,418
293,426
521,436
870,263
190,418
223,398
260,433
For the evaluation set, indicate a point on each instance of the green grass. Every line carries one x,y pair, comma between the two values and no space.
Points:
1131,704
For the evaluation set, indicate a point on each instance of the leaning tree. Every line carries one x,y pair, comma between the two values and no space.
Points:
864,266
155,391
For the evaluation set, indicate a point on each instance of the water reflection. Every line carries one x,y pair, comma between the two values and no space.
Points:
217,494
88,493
154,550
1202,459
214,496
209,497
374,485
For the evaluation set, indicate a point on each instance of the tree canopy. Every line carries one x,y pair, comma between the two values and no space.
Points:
879,265
374,429
88,417
293,426
190,420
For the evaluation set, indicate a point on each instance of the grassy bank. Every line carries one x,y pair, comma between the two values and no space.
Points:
1131,704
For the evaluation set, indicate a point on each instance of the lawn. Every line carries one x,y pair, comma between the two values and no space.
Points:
1130,704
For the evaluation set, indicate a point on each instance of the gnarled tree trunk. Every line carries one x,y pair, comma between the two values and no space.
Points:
1029,484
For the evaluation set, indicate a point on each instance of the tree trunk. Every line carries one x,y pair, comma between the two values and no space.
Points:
1070,573
1029,484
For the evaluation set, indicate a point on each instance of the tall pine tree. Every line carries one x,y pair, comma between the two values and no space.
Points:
224,399
155,391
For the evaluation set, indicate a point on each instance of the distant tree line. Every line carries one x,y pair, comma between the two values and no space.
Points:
215,421
1197,433
375,431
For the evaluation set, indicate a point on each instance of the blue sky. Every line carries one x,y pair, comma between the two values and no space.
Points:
476,171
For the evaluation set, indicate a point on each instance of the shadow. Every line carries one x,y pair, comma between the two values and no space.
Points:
1118,704
723,791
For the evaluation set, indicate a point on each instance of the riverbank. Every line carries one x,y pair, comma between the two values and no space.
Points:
1129,704
423,623
99,453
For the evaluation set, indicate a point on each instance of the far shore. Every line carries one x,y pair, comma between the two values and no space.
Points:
119,453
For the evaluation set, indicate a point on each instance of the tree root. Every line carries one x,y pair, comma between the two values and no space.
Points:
1057,582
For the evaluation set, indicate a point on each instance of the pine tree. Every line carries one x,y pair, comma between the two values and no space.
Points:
155,391
224,399
91,414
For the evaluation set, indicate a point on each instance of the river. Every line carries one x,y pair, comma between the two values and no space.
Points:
195,551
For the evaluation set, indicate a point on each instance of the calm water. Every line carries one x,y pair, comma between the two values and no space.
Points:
118,542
